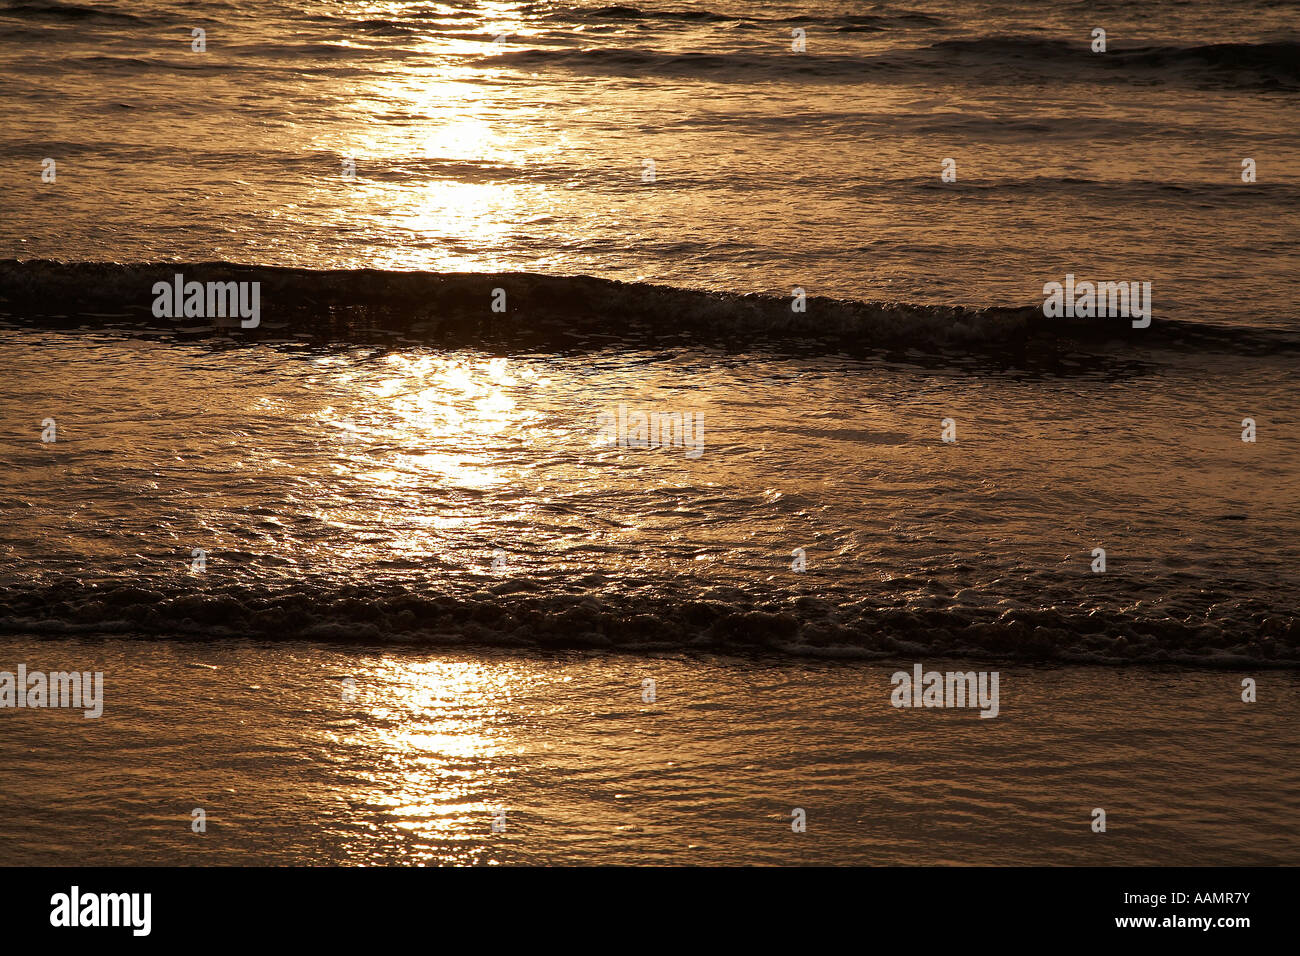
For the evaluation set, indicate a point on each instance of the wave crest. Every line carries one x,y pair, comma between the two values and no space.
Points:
365,305
522,615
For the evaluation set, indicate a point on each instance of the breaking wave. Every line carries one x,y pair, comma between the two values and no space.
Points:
521,612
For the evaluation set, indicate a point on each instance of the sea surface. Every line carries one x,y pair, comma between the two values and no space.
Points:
418,763
896,457
512,136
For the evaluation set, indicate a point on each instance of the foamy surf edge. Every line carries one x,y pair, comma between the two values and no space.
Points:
530,616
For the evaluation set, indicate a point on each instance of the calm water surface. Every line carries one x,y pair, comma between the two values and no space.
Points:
413,770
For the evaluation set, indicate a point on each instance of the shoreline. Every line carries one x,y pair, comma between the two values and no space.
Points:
651,650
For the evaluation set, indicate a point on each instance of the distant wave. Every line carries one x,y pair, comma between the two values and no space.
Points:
986,58
1279,60
737,67
422,17
615,12
454,308
56,10
1227,64
520,612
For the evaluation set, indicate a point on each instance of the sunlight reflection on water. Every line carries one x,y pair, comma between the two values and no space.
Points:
439,730
415,768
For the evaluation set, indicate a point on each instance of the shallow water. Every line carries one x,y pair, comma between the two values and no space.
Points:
415,768
460,496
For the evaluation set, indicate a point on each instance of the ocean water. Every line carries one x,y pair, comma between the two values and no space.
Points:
418,765
388,479
451,495
772,169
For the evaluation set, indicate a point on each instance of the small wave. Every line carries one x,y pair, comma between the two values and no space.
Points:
1141,190
454,308
55,10
736,67
616,12
1277,61
528,616
1007,58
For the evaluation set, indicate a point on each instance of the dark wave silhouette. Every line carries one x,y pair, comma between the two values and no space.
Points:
455,308
616,12
1279,60
993,59
521,612
56,10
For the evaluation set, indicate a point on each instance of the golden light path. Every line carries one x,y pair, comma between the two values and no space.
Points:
440,728
450,114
